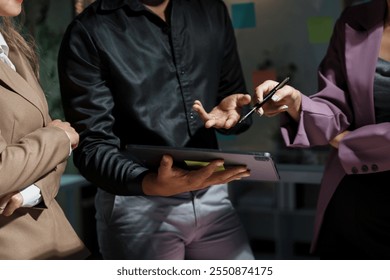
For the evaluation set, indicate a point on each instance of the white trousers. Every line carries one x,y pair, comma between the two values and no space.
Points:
195,225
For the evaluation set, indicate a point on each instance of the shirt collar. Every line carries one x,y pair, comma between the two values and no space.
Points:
368,14
3,45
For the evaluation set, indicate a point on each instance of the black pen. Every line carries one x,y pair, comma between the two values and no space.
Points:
270,94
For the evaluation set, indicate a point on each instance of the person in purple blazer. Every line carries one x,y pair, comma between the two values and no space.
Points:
351,112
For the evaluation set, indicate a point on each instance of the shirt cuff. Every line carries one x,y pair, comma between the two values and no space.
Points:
31,196
70,143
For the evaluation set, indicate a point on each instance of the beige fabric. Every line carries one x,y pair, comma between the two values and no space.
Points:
32,153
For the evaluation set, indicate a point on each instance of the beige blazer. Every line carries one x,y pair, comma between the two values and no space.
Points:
32,153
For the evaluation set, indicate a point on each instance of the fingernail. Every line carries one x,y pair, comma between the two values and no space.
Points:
284,107
260,112
275,98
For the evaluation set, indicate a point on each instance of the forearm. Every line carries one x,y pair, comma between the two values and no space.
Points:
115,172
35,155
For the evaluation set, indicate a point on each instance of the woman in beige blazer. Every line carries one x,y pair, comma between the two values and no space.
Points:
33,154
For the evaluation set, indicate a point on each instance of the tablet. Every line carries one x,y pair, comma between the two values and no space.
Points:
261,165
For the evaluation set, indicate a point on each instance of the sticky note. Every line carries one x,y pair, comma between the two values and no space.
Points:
243,15
320,29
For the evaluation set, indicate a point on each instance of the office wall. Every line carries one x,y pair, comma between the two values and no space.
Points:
281,34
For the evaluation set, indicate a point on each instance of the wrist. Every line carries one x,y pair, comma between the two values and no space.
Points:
295,110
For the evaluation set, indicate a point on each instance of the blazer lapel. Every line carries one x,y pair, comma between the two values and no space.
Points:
23,82
361,55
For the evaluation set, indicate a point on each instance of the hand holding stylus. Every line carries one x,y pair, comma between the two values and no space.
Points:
266,98
284,99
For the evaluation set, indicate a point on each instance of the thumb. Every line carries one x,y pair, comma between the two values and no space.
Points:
243,99
166,163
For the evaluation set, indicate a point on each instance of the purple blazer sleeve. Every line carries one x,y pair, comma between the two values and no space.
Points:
368,145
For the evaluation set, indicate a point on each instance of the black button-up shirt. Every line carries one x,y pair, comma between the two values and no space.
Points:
128,77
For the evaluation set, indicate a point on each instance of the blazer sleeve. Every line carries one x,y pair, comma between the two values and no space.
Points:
366,146
50,183
30,159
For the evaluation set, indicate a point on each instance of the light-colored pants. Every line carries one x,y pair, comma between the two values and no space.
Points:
194,225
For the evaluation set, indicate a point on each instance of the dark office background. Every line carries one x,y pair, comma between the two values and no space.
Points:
285,38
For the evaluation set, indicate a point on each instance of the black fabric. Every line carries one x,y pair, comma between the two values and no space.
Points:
357,221
382,92
128,77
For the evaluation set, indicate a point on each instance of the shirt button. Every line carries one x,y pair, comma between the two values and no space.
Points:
374,167
364,168
354,170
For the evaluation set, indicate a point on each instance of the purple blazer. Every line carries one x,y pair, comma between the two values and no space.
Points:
345,101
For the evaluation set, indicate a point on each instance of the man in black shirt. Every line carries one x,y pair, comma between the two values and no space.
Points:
130,72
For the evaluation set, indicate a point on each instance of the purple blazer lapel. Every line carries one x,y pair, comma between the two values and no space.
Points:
361,55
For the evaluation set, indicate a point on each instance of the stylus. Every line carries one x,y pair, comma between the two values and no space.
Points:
268,97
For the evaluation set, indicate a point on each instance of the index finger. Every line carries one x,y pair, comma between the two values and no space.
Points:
264,88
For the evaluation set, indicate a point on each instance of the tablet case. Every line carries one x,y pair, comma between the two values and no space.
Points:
260,164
